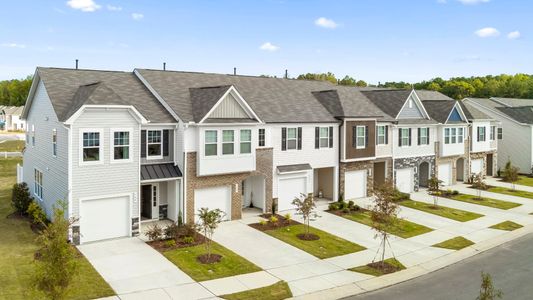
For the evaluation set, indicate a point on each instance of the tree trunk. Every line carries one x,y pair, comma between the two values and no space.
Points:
384,245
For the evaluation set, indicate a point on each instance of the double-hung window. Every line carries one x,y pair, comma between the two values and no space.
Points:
454,135
38,183
424,136
228,142
324,137
246,141
121,145
154,143
447,135
54,142
382,131
500,133
481,134
492,132
91,146
404,137
460,135
292,138
210,143
261,137
360,137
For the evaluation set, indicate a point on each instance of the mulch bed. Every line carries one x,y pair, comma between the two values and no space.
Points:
282,222
308,237
340,212
209,259
162,245
384,267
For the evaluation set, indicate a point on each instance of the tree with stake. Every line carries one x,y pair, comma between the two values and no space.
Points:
487,291
384,214
434,189
305,206
479,185
208,222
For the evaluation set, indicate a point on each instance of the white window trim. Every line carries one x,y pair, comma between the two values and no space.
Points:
462,135
321,138
54,143
295,140
484,129
112,145
153,157
357,136
32,138
404,137
492,134
101,147
426,142
384,135
232,142
215,143
40,197
454,136
249,142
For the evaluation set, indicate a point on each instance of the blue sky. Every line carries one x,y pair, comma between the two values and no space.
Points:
373,40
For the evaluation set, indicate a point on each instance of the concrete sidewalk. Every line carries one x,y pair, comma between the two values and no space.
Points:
496,182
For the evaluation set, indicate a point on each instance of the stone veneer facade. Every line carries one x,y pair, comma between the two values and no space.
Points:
453,160
263,167
354,166
483,155
414,162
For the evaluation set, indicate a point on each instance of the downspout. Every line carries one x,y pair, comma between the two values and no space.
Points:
69,176
393,157
341,135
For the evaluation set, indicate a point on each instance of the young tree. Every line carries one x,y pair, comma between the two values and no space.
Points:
208,222
479,185
57,264
305,206
487,290
510,174
434,189
20,198
383,213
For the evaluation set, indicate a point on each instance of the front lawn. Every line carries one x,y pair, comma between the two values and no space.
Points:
277,291
18,246
508,191
483,201
456,243
443,211
326,246
401,228
507,225
525,180
371,269
230,264
12,146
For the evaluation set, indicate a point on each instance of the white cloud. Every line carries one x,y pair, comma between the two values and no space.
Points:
137,16
326,23
487,32
269,47
473,2
84,5
114,8
14,45
514,35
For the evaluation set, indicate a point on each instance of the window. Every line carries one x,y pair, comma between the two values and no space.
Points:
33,135
454,135
446,135
27,136
360,136
38,183
382,132
246,141
228,138
292,138
324,137
54,142
404,137
500,133
210,143
492,132
424,136
91,146
153,143
261,137
121,145
154,195
410,103
460,135
481,134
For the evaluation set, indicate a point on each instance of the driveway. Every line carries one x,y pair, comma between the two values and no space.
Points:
130,265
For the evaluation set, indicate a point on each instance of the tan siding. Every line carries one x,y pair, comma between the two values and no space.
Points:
229,108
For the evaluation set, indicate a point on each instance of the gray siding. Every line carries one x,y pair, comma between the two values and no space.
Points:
410,112
180,145
171,145
55,169
229,108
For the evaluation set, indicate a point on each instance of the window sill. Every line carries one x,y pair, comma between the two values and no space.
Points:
154,157
121,161
91,163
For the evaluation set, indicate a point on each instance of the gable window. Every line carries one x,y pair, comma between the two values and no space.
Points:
246,141
91,146
292,138
405,137
423,136
481,134
38,184
410,103
324,137
33,135
154,141
492,132
460,135
228,139
210,143
360,137
382,135
500,133
54,142
121,145
261,136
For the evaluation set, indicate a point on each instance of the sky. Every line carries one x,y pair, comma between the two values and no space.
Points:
372,40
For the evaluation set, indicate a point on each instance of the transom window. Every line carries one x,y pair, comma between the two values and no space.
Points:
261,137
153,143
246,141
228,142
121,145
424,136
404,137
382,131
54,142
292,138
38,184
324,137
91,146
360,133
210,142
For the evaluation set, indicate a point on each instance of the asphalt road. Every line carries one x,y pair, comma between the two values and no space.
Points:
511,267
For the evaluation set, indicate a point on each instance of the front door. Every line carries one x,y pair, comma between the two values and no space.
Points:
146,201
489,165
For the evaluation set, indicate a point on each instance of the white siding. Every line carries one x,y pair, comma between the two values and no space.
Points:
55,169
384,150
414,149
451,149
481,146
229,108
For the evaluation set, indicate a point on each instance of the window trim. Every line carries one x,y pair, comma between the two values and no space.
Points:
153,157
35,183
246,142
210,143
261,142
295,139
406,136
33,135
112,145
500,133
454,139
426,130
54,142
480,130
357,136
320,138
492,134
100,148
232,142
384,136
461,135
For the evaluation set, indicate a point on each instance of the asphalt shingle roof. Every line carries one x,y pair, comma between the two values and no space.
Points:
439,109
432,95
389,101
472,113
523,114
514,102
204,98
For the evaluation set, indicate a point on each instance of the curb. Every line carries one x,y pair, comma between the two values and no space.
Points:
377,283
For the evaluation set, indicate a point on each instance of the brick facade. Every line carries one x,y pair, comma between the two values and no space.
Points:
263,167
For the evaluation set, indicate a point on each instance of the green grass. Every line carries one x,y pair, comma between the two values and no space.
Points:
524,180
507,225
446,212
230,264
12,146
18,246
402,228
456,243
375,272
327,246
508,191
276,291
484,201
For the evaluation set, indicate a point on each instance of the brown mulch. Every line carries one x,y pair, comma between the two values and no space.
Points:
162,245
384,267
17,216
209,259
282,222
308,237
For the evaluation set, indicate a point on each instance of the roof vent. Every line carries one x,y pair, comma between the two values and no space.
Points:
164,66
76,63
234,71
286,73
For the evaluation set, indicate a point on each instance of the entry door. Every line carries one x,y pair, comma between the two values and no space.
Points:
489,165
155,201
146,201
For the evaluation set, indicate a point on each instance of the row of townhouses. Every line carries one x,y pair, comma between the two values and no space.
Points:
10,118
123,148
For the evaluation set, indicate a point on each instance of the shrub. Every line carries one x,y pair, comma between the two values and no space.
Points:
273,219
188,230
356,208
274,206
455,192
36,213
342,205
333,206
499,173
172,231
21,199
180,219
188,240
154,232
341,197
350,204
262,222
288,217
346,210
170,243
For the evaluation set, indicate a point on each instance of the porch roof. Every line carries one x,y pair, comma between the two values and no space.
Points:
293,168
160,171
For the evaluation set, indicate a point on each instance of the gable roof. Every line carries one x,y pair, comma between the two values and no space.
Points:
69,89
439,110
389,101
204,98
274,100
432,95
473,113
12,110
523,114
513,102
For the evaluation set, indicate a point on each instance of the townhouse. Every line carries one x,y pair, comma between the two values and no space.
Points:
10,119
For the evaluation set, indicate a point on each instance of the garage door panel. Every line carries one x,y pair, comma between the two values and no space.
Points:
213,198
404,180
445,173
355,184
477,166
288,189
102,219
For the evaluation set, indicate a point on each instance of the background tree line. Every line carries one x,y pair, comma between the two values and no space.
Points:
14,92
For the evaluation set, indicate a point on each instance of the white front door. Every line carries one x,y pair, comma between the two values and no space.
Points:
477,166
155,201
445,173
404,180
213,198
104,218
355,184
289,189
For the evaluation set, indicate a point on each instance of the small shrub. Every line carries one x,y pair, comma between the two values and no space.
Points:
273,219
262,222
36,213
188,240
170,243
288,217
180,219
350,204
356,208
154,232
172,231
21,199
342,205
274,206
188,230
346,210
499,173
341,197
333,206
455,192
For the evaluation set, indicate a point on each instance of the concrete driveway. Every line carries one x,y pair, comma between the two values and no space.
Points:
130,265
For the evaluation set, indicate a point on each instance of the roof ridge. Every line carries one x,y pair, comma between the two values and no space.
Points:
79,69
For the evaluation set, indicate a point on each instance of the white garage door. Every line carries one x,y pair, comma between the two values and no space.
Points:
213,198
477,166
445,173
105,218
288,189
404,180
355,184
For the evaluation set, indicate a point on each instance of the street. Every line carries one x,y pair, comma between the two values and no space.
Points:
511,267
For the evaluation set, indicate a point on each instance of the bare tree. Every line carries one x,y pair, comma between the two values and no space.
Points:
487,290
305,206
208,222
434,189
384,213
479,184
